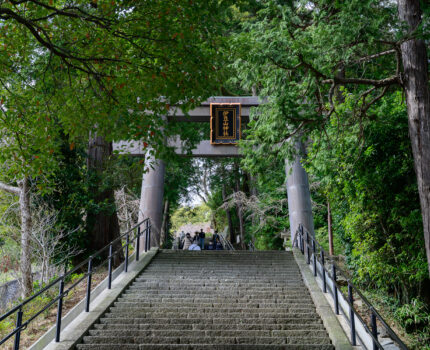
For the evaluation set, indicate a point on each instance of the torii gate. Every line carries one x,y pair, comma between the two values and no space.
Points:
151,199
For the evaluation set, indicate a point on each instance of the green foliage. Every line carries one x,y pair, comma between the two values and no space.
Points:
184,215
369,178
414,316
99,68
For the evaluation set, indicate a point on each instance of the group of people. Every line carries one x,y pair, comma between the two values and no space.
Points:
197,242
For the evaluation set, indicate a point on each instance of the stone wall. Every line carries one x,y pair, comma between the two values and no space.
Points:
9,292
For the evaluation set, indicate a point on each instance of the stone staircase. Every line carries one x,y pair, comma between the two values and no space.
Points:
213,300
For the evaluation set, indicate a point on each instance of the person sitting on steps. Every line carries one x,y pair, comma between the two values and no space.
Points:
211,245
218,245
187,241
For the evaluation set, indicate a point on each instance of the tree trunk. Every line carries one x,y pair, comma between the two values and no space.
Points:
26,227
240,216
164,223
330,230
229,220
103,225
252,180
416,80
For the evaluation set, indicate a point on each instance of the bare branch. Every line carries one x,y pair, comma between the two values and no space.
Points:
10,189
358,81
376,55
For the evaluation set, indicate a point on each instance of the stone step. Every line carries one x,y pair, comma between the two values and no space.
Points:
216,285
208,304
213,300
216,282
202,289
228,309
210,279
202,274
209,327
205,347
226,293
196,339
212,320
134,297
209,333
218,294
232,318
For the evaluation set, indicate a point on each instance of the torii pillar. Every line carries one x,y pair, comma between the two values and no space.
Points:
151,201
299,196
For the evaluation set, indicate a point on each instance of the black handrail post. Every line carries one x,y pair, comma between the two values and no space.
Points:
146,235
307,248
351,315
59,311
299,239
18,327
323,271
149,237
374,329
126,253
90,273
138,243
110,267
335,296
315,258
303,243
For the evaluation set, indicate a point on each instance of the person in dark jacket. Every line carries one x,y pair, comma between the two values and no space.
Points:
202,239
215,237
218,245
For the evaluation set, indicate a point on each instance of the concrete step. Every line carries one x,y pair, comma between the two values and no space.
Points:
231,293
205,347
227,309
212,320
208,304
189,314
209,333
212,327
197,339
218,299
213,300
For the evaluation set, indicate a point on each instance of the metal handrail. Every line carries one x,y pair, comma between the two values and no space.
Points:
20,326
226,243
303,239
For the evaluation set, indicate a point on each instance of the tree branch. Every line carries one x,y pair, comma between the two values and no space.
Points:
358,81
376,55
10,189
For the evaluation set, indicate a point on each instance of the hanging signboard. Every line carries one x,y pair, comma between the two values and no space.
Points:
225,123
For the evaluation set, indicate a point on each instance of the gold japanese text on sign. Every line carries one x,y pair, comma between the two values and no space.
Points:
225,123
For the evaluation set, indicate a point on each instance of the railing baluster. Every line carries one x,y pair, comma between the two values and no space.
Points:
146,236
315,258
307,248
351,315
90,273
126,253
149,237
335,296
323,271
110,267
302,241
374,328
138,243
59,311
18,326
